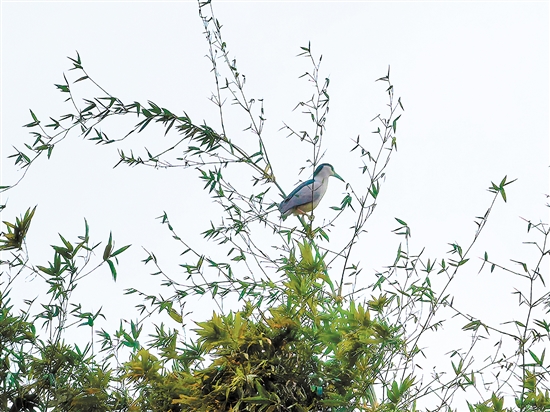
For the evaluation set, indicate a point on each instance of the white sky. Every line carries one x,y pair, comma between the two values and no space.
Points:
473,77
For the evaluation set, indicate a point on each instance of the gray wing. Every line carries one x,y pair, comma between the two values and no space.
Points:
302,195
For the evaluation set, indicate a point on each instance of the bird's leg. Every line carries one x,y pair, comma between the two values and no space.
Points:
303,212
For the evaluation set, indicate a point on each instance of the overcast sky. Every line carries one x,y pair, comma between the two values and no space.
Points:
473,78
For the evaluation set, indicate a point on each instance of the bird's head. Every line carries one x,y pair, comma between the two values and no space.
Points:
325,170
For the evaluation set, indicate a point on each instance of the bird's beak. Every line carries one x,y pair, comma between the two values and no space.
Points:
337,176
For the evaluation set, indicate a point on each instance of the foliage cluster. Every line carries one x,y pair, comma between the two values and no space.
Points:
307,336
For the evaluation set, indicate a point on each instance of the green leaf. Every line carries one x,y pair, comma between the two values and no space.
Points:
374,190
535,358
258,400
474,325
398,255
108,247
323,234
175,315
112,267
394,124
35,121
91,106
77,63
63,87
66,243
498,403
401,221
503,194
463,261
119,251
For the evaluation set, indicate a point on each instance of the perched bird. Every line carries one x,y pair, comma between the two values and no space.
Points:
307,196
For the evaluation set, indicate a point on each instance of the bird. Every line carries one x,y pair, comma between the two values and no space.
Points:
307,195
